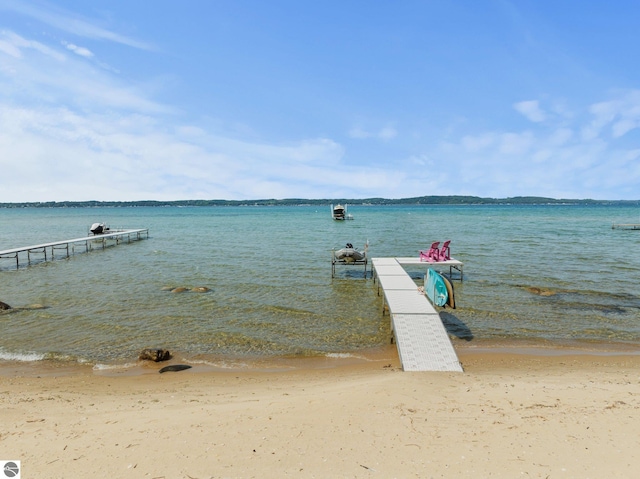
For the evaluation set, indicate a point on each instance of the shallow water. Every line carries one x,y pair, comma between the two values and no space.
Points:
549,274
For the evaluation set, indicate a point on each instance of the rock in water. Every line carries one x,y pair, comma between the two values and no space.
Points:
156,355
36,306
4,306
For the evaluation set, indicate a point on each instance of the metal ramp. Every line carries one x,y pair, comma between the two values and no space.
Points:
422,341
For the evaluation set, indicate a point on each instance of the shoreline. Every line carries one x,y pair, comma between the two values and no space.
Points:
387,355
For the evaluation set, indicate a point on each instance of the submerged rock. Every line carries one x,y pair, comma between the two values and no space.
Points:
179,289
200,289
36,306
540,291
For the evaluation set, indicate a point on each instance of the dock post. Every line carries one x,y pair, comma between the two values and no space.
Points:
333,263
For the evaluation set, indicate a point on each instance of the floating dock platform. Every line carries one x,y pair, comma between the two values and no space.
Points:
87,242
421,338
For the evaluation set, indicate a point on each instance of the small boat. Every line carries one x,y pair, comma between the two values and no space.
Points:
99,228
349,254
339,213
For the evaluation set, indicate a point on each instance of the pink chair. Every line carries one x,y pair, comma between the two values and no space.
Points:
445,252
432,255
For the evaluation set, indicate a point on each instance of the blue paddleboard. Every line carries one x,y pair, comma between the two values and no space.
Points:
435,288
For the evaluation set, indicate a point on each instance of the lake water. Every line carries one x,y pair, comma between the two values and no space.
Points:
533,276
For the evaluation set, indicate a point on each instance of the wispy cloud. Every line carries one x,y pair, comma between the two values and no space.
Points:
14,45
385,133
37,72
551,159
618,116
69,22
107,156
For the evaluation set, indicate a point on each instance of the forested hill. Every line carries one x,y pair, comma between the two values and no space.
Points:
420,200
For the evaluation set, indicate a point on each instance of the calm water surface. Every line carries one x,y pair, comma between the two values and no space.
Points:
552,275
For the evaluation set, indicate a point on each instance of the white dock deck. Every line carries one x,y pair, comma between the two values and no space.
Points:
452,264
86,241
422,341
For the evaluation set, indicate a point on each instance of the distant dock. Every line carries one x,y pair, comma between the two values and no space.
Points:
69,246
627,226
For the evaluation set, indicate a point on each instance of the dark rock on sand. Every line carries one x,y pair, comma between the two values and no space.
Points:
156,355
175,367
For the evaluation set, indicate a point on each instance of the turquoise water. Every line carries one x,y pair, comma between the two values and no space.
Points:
552,275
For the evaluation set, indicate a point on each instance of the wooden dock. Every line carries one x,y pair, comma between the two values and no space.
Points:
87,242
422,341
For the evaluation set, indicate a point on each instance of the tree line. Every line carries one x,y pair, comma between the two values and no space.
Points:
419,200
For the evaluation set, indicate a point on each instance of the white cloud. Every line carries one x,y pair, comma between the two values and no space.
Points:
617,116
551,160
388,133
9,48
531,110
83,52
476,143
142,160
560,136
515,143
359,133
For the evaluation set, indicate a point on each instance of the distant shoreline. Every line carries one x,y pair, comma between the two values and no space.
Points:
421,200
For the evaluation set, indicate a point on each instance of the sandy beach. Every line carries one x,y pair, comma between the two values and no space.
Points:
506,416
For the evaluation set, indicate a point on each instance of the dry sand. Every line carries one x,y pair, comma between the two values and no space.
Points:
507,416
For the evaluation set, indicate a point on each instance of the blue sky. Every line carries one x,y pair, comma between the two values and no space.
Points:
251,99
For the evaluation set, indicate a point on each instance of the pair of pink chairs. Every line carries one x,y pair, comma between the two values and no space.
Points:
435,254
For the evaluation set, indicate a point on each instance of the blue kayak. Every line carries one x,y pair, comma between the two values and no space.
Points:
435,288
